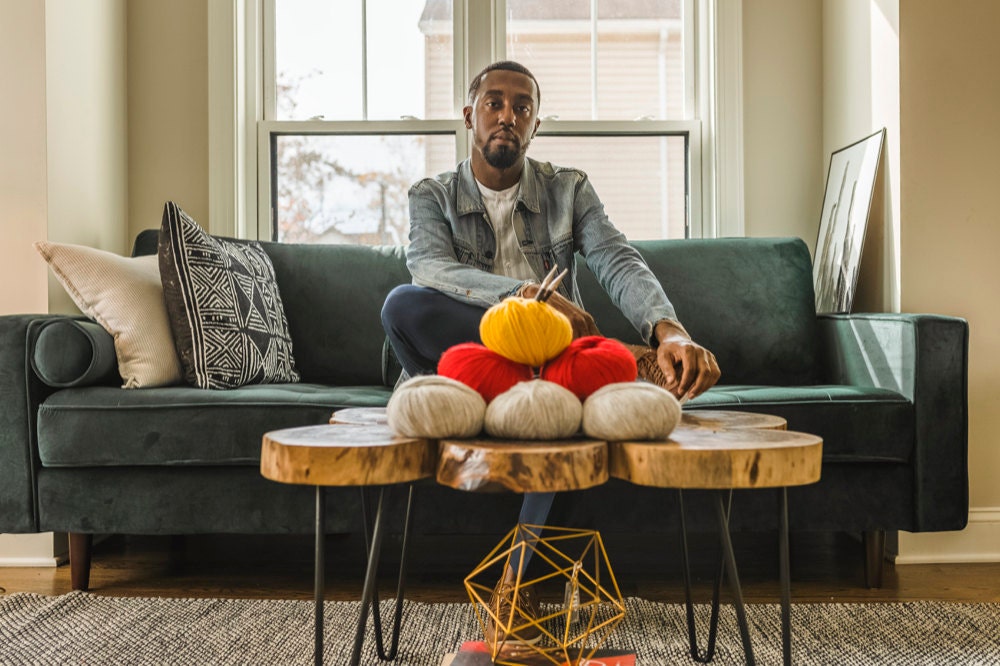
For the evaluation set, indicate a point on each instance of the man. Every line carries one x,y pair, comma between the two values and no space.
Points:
499,223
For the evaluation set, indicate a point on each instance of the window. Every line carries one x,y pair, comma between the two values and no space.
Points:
361,98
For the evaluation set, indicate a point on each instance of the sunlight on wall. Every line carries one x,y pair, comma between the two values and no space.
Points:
861,96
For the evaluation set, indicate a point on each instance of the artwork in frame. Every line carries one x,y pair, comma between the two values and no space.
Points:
850,183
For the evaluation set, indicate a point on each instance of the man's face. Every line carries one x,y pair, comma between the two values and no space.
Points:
503,117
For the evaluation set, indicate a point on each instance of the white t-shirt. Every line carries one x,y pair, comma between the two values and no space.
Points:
509,259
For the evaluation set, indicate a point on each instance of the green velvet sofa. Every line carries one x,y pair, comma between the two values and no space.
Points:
887,392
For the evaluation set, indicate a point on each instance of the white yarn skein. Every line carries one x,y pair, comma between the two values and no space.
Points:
627,411
535,409
435,407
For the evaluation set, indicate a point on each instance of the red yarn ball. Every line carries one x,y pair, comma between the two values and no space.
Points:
481,369
589,363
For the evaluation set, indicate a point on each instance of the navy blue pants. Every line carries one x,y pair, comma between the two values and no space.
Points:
421,323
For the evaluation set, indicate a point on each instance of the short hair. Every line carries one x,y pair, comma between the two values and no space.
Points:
505,65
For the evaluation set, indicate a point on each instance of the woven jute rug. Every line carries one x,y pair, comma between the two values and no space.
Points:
84,628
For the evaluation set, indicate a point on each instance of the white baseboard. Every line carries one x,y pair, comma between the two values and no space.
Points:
32,550
978,542
31,561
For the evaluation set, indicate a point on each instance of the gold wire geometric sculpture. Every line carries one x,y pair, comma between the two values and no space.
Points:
575,629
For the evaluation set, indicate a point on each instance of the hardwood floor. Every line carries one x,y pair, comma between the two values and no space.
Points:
825,568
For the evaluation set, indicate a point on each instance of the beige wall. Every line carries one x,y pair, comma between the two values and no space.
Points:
167,110
85,127
22,159
950,213
861,96
782,117
62,163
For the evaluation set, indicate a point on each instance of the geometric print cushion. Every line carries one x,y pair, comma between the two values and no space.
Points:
225,309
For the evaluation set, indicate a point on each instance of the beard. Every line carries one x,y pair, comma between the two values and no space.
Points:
503,156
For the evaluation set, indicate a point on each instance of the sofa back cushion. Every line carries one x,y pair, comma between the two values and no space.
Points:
749,300
333,297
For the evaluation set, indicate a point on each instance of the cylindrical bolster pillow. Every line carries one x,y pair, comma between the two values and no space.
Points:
75,353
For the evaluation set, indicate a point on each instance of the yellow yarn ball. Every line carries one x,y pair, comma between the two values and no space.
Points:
525,330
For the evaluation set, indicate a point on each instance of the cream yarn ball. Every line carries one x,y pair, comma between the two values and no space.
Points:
435,407
627,411
535,409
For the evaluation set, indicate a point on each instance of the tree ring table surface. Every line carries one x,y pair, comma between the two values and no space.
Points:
345,455
522,466
717,419
720,459
360,416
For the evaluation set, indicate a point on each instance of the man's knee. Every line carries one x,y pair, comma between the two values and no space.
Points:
398,304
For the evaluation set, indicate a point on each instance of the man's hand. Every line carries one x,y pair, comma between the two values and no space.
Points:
689,368
583,322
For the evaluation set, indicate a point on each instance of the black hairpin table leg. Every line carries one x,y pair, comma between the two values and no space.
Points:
368,591
390,654
369,595
786,585
318,582
734,577
713,622
729,564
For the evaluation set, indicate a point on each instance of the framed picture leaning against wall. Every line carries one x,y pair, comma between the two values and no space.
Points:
850,182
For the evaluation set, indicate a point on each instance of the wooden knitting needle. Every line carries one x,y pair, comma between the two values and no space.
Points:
550,289
545,282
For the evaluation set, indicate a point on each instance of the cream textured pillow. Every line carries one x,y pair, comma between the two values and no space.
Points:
124,295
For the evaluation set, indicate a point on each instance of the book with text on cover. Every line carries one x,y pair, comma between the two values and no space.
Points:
476,653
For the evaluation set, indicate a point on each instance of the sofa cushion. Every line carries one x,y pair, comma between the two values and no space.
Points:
125,297
104,426
859,424
748,300
225,307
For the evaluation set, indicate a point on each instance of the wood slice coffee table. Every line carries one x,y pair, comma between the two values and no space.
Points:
351,455
724,460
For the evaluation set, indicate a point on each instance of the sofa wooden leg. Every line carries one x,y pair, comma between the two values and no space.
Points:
80,546
874,541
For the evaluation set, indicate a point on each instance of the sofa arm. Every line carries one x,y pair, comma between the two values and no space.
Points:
925,358
22,391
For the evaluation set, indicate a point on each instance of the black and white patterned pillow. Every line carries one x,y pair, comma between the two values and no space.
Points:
225,310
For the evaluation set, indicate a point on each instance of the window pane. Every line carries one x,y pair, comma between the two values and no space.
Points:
404,39
319,66
642,180
352,189
639,57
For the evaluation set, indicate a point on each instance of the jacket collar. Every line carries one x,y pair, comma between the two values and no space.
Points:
471,201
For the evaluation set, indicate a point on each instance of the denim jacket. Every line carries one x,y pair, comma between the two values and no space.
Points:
557,214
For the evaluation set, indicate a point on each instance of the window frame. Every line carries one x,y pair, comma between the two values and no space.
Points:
242,107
